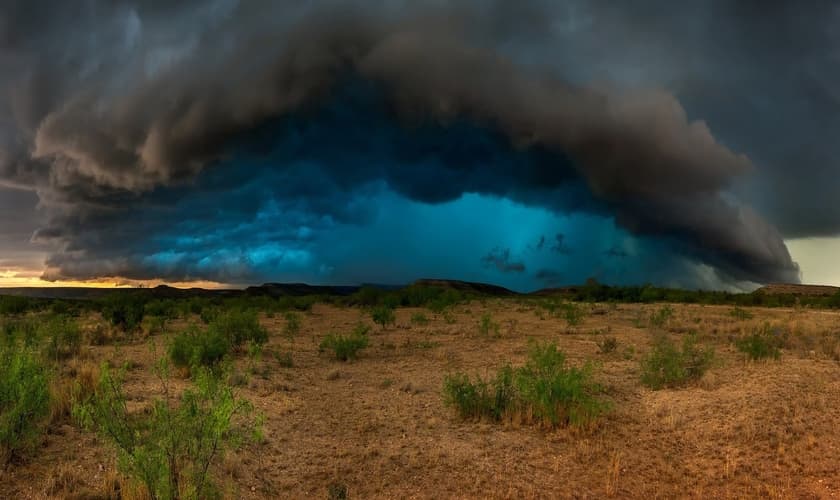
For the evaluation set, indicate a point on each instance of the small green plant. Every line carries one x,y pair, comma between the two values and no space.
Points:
487,327
154,324
545,390
448,317
171,448
345,347
660,317
284,359
419,319
292,327
193,347
24,400
740,314
607,345
760,344
239,327
572,313
383,316
337,491
124,311
63,337
669,366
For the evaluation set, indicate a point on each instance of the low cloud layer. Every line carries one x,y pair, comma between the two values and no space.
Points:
158,132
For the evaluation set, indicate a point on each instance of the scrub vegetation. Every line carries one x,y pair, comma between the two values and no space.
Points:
136,395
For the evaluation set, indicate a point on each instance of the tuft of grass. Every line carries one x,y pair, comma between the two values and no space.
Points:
545,390
345,347
670,366
383,315
337,491
63,337
419,319
24,401
292,327
607,345
284,359
741,314
572,313
487,327
193,347
760,344
660,317
171,449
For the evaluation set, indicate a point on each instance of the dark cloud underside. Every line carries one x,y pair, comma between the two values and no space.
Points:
185,126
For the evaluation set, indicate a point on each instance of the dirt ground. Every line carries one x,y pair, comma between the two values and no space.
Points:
379,426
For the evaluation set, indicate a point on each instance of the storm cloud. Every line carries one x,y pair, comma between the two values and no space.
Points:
165,139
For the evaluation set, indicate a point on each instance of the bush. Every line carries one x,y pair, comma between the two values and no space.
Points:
660,317
292,327
24,401
13,305
239,327
740,314
572,313
761,344
487,327
419,319
608,345
22,330
193,347
345,347
123,311
544,390
63,337
480,399
668,366
383,315
170,449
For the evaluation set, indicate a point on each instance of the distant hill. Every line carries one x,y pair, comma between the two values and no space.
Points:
791,289
466,286
299,289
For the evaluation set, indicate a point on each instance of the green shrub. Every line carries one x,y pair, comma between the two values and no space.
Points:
171,448
608,345
345,347
669,366
761,344
419,319
284,359
660,317
20,330
545,390
480,399
24,400
154,324
193,347
62,335
14,305
487,327
239,327
572,313
740,314
383,315
123,311
292,327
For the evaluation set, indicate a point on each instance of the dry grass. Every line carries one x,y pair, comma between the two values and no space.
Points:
744,430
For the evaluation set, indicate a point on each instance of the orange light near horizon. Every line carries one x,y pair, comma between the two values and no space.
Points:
25,278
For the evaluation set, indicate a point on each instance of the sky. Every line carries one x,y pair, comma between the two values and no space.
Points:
529,144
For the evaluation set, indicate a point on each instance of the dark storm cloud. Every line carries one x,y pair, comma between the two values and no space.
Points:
559,245
115,117
500,259
549,276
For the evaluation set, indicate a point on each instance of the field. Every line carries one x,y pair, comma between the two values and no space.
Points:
378,426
